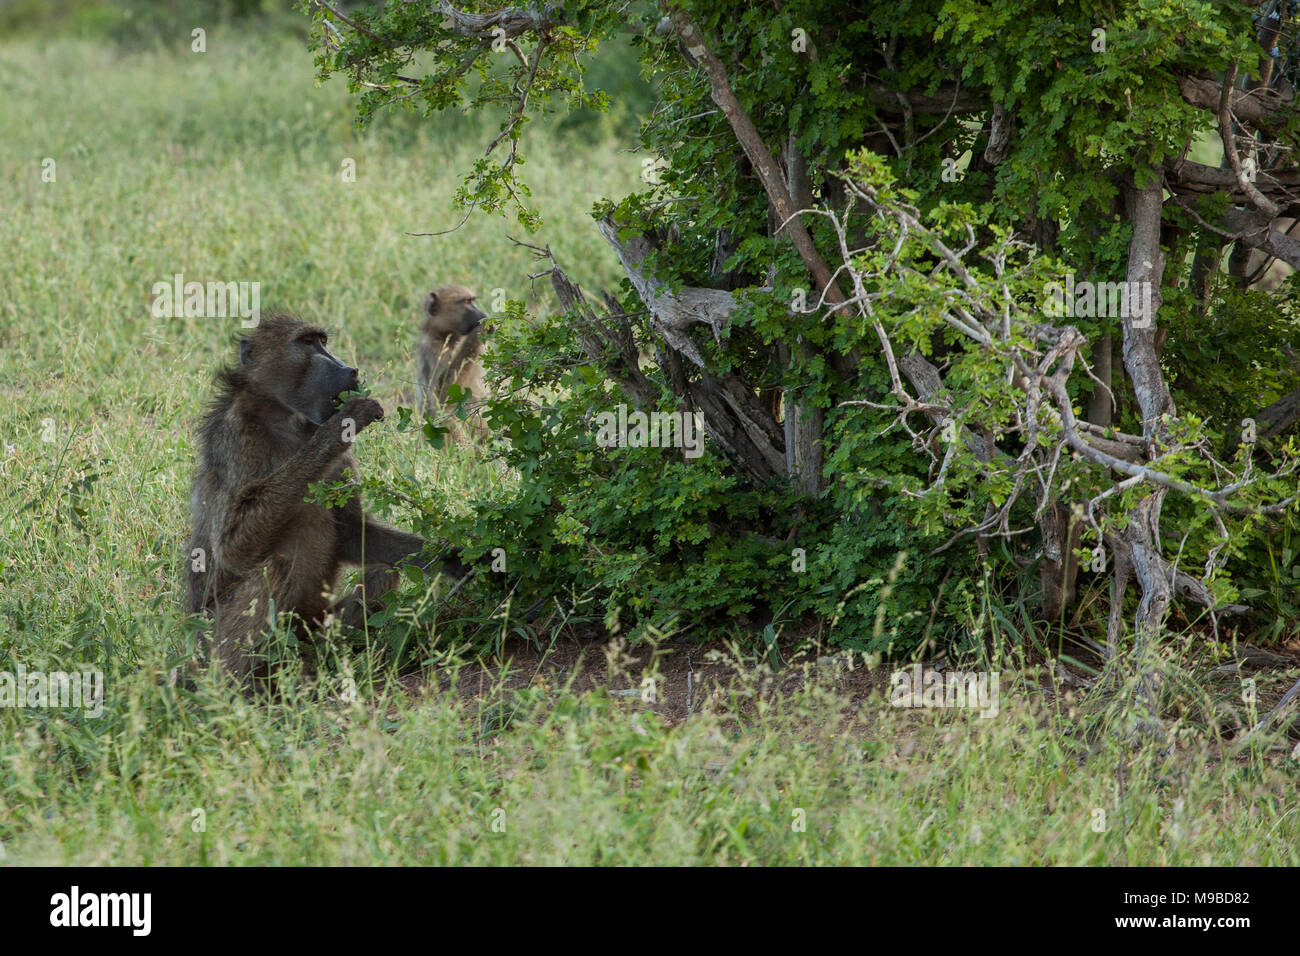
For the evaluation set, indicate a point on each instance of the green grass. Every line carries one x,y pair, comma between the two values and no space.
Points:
545,776
221,167
226,166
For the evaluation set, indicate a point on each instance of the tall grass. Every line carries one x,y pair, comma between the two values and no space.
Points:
226,166
547,776
223,166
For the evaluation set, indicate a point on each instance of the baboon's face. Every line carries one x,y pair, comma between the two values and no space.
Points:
451,310
289,360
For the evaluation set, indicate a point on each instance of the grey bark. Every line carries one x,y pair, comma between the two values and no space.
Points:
1100,399
1254,231
1263,109
804,422
1279,416
1141,536
735,419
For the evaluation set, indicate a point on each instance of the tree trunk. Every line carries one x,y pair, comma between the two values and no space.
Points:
1059,569
1141,537
804,422
1099,400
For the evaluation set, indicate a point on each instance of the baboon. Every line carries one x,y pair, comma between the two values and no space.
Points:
448,354
258,548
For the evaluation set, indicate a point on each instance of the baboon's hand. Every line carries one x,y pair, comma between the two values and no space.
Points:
362,411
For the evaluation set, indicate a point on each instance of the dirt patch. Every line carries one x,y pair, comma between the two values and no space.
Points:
676,679
671,679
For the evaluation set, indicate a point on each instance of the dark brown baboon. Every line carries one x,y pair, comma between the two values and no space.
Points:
448,354
258,548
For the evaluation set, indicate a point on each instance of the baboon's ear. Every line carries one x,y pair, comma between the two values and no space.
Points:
245,351
431,304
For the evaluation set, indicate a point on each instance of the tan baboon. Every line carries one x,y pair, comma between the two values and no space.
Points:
448,354
258,548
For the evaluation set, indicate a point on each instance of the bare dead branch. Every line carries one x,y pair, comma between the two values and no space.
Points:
510,21
1257,199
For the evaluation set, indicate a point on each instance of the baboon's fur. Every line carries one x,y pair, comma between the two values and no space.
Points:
271,431
448,354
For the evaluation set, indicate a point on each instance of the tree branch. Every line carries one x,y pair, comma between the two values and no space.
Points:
1185,176
535,18
943,101
672,313
1257,199
1279,416
769,172
1261,108
1251,229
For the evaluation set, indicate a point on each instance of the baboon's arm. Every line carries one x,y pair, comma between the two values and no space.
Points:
366,540
384,545
262,509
